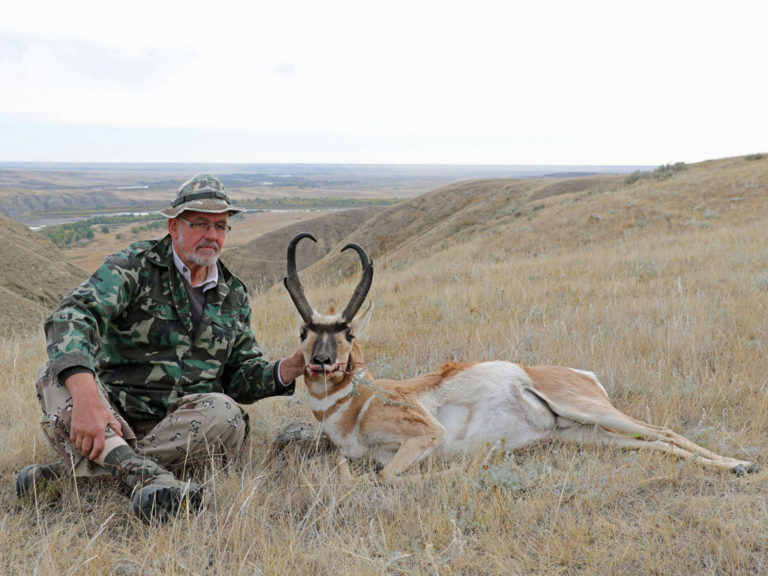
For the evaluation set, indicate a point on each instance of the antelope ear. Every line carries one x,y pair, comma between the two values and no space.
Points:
299,320
360,322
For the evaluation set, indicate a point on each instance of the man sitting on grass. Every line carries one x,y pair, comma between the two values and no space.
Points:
149,358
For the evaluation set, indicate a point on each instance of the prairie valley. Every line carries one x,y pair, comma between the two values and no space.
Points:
656,282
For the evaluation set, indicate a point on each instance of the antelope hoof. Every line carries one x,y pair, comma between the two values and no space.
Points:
745,468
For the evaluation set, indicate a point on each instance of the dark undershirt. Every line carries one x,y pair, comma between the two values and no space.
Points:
196,304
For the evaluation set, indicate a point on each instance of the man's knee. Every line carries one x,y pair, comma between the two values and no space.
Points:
56,420
214,405
214,416
56,406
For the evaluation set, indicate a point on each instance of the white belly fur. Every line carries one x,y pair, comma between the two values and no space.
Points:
485,403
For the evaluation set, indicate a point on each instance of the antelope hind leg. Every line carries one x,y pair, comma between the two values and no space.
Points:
664,436
617,421
592,433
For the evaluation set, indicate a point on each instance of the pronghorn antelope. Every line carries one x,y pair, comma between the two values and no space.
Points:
459,408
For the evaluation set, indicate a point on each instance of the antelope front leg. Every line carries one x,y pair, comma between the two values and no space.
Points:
342,462
410,450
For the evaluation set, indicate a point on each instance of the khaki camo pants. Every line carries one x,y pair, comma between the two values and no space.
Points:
196,428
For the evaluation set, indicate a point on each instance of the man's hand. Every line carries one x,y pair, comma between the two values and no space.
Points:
90,415
291,367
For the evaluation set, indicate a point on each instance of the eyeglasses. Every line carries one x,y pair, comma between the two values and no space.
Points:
201,227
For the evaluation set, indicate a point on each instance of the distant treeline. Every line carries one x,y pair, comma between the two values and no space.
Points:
85,230
74,232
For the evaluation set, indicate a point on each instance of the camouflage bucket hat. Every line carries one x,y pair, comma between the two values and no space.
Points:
202,193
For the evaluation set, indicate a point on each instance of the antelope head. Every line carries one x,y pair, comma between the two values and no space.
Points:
331,353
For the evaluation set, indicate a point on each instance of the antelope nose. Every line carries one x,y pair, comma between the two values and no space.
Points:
321,359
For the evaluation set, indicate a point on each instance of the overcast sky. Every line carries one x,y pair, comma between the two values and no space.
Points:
396,81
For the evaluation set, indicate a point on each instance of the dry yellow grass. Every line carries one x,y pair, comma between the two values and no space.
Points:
663,296
33,277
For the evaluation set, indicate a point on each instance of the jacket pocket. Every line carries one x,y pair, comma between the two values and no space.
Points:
220,335
154,322
158,309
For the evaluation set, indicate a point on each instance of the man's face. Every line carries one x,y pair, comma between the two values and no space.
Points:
198,237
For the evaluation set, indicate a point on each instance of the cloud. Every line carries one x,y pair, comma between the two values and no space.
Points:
73,80
119,67
490,76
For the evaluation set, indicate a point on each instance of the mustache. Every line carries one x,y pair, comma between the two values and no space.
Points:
207,244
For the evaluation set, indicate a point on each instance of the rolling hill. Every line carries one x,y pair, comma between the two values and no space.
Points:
505,217
34,276
497,218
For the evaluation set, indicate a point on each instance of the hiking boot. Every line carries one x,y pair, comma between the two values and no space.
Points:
156,493
39,479
163,497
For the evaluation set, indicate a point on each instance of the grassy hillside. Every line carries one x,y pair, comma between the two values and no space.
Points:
659,286
419,225
33,277
511,217
261,262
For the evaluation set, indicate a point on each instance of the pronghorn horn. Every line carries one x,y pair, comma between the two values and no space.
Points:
292,282
361,291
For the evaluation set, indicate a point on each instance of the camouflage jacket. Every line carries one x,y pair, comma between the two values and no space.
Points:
131,324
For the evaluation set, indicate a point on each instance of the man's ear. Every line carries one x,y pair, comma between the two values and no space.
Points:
173,227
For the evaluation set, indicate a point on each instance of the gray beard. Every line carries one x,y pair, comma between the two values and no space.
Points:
202,260
196,258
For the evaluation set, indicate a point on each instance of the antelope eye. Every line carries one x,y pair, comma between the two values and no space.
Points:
303,334
348,335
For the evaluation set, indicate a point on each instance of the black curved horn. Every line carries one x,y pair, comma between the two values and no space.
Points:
362,288
292,282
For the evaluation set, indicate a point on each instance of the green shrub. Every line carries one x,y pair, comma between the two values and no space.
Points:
661,173
74,232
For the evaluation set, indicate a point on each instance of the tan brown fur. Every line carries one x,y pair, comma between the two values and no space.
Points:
324,414
560,385
450,368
